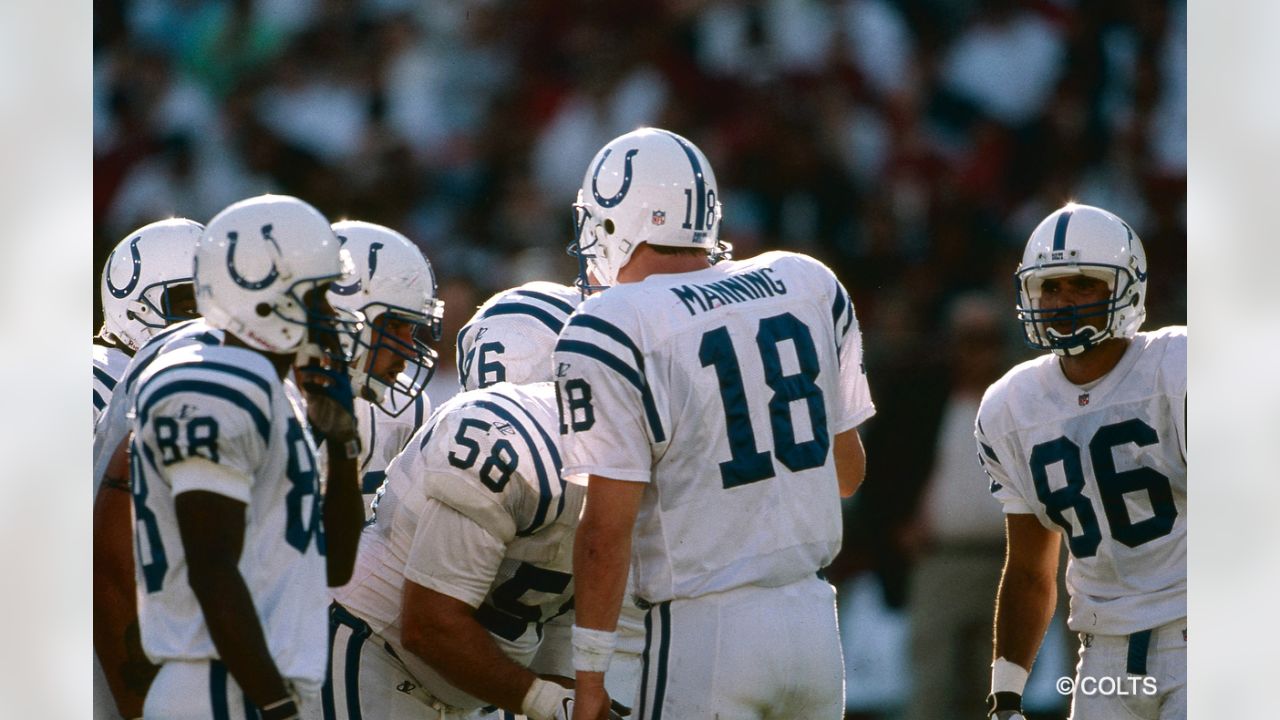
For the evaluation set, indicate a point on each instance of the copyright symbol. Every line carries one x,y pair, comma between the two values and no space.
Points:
1065,685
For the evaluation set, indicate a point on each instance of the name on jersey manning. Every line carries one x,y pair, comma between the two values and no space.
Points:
738,288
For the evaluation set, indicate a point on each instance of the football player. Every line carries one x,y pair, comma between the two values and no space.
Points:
1088,443
146,285
235,538
468,556
510,336
394,287
714,407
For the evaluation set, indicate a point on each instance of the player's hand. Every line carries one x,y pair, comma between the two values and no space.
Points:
330,402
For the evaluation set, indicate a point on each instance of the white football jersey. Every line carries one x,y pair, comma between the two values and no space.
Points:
112,427
508,337
382,437
721,389
474,508
109,364
196,406
1107,468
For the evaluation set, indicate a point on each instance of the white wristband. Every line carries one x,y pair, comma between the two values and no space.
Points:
543,700
592,649
1007,677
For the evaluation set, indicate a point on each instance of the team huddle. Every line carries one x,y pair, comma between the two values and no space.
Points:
626,510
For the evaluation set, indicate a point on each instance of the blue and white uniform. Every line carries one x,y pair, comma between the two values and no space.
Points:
721,390
218,419
508,337
382,436
1105,465
108,366
474,508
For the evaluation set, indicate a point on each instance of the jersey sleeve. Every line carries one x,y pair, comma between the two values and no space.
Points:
855,405
608,417
453,554
1000,483
184,416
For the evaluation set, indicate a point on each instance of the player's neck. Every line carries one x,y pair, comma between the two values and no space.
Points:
645,262
1094,363
282,362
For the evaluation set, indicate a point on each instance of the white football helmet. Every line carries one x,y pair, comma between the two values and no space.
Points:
649,185
139,275
254,265
390,279
1090,241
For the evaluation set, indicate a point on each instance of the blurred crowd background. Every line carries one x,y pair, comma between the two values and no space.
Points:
911,144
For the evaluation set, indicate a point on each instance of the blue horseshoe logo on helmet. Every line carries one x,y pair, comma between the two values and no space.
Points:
272,274
608,202
354,287
121,293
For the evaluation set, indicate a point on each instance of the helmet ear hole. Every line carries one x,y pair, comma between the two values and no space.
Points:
608,226
263,309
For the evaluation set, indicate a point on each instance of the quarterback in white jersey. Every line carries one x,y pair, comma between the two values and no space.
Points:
1089,443
704,402
392,284
469,554
146,285
235,538
508,337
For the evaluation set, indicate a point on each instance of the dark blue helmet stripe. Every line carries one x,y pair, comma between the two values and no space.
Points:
1060,231
700,189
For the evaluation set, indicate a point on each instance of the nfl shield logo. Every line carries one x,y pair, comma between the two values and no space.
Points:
1083,399
659,217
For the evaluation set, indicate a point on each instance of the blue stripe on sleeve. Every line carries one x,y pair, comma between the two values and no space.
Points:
544,485
205,387
548,299
637,377
989,452
98,402
104,378
548,442
837,307
542,316
627,372
136,370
